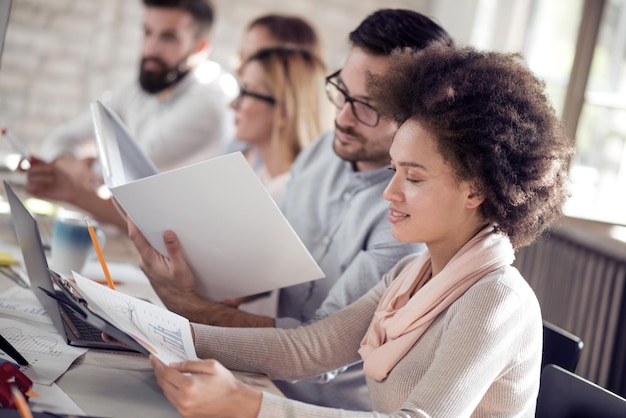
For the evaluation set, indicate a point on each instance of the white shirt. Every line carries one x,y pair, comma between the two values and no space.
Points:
187,124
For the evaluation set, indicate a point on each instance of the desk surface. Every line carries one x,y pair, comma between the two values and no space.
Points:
114,384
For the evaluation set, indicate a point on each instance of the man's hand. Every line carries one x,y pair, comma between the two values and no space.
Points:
170,275
63,180
206,389
174,283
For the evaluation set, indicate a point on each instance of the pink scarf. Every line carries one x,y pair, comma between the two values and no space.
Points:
401,319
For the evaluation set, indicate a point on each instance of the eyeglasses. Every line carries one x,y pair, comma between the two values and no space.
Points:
243,92
363,112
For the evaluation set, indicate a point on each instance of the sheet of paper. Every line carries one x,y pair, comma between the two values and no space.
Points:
130,393
234,237
164,333
122,273
47,353
22,303
53,400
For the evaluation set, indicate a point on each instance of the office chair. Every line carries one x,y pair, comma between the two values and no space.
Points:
563,394
560,347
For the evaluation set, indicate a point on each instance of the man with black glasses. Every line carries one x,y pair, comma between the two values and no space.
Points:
334,203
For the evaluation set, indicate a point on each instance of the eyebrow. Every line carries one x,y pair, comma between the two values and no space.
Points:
411,165
363,99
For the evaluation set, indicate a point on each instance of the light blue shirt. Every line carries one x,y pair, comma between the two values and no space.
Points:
341,217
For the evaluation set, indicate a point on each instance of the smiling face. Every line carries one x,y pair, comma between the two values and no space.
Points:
254,117
367,147
427,203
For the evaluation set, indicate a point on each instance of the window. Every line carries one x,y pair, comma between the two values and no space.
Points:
579,48
598,170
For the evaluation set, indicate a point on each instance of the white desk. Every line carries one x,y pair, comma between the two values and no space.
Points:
116,384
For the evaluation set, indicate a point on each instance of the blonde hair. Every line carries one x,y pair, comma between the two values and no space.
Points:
296,78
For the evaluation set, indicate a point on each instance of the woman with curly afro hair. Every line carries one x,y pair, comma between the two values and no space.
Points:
480,164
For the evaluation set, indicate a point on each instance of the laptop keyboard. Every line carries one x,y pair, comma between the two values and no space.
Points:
79,328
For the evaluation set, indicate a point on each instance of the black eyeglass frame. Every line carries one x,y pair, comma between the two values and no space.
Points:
349,99
243,92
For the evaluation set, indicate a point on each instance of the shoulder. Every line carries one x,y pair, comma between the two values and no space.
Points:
508,279
211,76
128,94
503,290
207,86
320,152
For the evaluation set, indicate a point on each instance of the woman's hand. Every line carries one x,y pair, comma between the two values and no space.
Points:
206,389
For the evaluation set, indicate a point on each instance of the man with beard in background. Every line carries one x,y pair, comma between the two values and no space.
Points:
177,110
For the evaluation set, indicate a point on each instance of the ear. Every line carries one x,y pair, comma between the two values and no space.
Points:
475,197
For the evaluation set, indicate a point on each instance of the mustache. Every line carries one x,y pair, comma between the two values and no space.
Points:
155,60
350,131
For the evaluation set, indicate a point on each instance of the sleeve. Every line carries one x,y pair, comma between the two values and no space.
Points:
345,291
289,354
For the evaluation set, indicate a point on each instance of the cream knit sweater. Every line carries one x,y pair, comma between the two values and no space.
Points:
479,358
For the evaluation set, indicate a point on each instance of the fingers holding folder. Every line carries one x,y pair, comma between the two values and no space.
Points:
170,275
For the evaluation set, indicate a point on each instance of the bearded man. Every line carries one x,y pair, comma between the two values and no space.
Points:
177,110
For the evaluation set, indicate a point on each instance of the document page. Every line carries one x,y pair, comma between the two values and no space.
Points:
163,333
46,352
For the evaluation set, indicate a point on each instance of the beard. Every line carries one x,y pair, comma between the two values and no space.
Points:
155,81
370,150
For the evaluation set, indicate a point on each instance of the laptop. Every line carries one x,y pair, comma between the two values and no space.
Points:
76,331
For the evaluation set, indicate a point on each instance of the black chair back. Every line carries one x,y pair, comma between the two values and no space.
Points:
560,347
563,394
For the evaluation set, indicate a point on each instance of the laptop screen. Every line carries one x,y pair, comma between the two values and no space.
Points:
29,240
5,11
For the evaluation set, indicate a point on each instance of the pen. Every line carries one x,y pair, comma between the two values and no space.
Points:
8,348
20,402
15,143
96,245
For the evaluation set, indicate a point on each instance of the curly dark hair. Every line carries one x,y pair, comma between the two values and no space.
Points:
494,126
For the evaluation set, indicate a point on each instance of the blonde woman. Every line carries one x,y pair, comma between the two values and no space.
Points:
281,108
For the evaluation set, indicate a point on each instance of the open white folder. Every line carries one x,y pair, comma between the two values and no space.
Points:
233,236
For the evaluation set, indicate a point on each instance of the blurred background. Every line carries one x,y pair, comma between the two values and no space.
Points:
62,54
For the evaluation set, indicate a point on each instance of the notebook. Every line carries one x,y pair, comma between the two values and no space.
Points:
233,235
76,331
